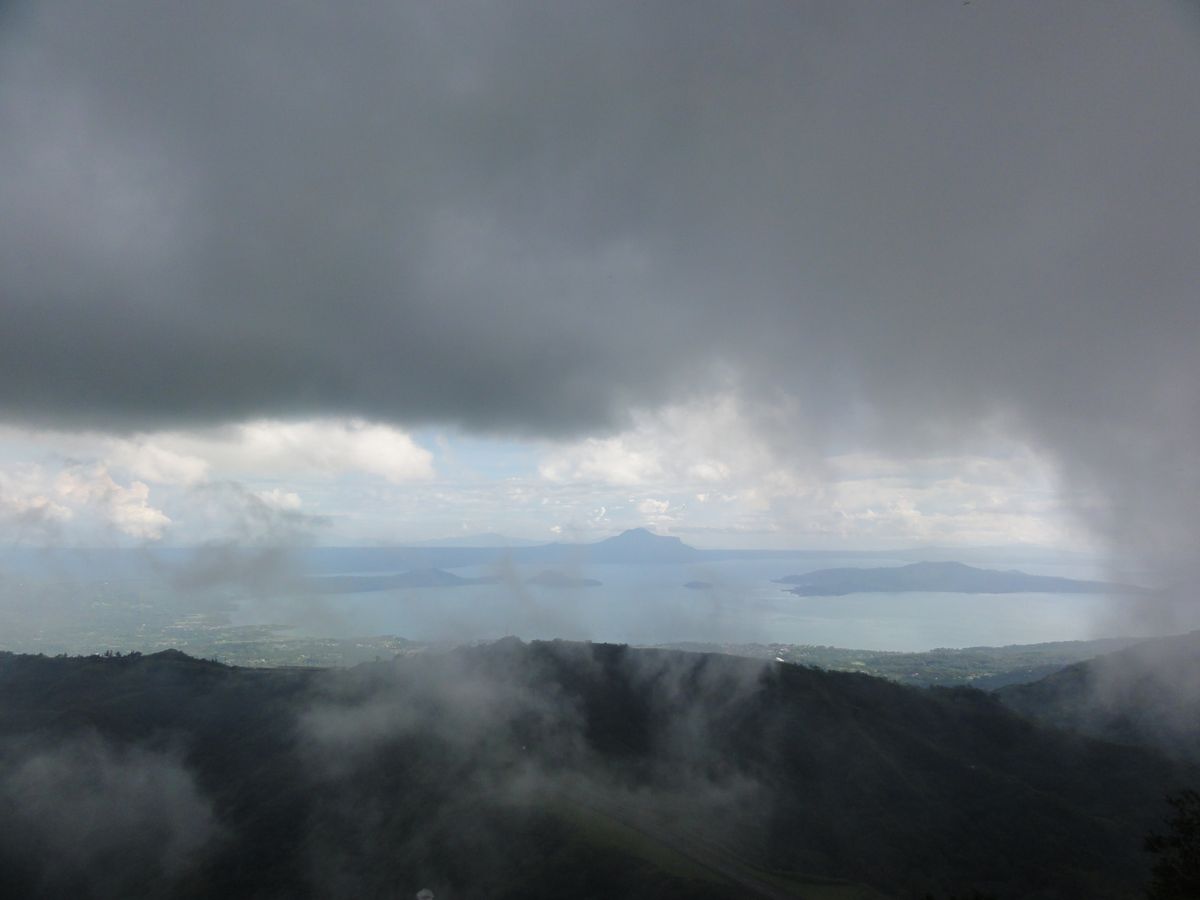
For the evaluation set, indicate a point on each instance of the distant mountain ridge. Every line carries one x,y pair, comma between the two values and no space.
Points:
935,577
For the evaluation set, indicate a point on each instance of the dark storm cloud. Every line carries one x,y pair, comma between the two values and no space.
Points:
905,218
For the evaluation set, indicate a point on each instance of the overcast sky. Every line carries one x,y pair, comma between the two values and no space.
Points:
787,273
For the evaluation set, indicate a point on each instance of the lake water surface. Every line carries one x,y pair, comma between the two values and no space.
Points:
649,604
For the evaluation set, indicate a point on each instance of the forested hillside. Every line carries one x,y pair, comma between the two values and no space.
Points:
551,770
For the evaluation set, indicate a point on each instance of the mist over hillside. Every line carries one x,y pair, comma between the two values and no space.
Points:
1148,695
549,770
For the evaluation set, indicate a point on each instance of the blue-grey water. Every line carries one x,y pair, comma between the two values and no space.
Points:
649,604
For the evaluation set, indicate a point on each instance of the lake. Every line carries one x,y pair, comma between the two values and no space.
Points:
649,604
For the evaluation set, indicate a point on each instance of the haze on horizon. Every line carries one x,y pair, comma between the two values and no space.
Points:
827,274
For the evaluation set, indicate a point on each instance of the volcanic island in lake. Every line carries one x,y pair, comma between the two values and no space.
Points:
951,577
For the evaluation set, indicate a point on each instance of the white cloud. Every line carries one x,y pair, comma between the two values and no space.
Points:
155,460
703,442
713,469
281,500
971,499
322,448
325,447
102,483
704,468
652,507
26,509
229,513
126,507
614,461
